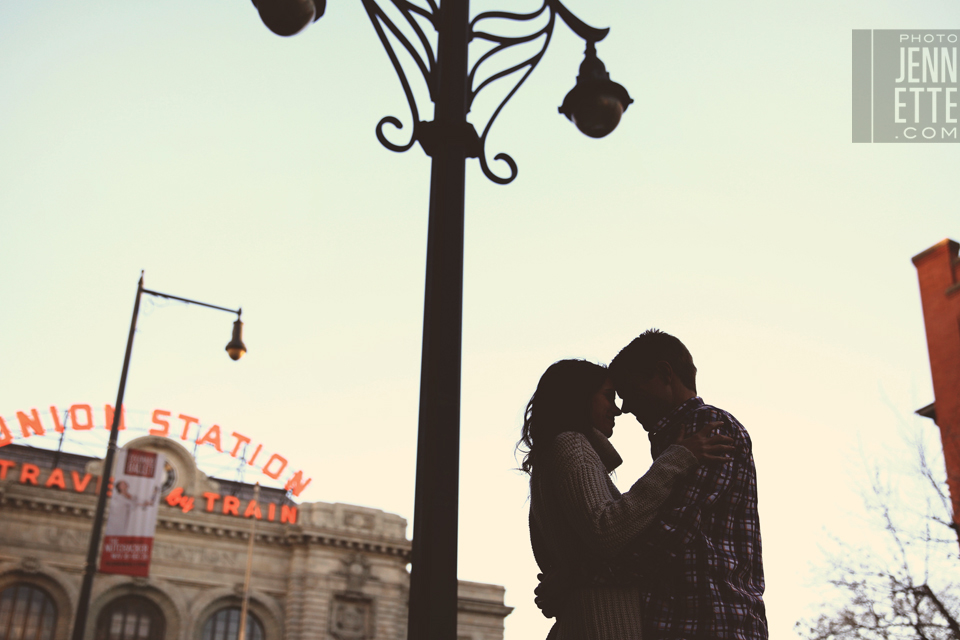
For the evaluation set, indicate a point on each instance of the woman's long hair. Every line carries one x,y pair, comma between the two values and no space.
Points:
562,402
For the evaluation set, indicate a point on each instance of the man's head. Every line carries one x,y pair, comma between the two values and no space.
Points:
654,374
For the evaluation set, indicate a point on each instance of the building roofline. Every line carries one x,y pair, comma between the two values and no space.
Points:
951,244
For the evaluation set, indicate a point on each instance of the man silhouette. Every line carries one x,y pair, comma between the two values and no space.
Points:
708,577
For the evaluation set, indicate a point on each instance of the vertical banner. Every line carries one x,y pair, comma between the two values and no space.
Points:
128,537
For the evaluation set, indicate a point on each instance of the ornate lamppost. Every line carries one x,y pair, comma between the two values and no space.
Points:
595,106
235,349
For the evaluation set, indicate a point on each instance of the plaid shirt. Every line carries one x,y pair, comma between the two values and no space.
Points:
707,576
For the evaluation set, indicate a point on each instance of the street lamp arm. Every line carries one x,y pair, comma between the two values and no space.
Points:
188,301
578,26
426,58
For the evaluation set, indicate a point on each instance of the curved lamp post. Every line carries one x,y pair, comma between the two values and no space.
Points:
595,105
235,349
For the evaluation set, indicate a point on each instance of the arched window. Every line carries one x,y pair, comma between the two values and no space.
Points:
225,625
130,618
26,613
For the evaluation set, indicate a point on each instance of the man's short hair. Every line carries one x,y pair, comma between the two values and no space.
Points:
640,358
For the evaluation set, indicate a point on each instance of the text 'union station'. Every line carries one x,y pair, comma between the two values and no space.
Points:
80,417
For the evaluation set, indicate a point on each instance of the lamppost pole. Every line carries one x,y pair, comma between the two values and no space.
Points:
90,568
433,580
235,349
595,105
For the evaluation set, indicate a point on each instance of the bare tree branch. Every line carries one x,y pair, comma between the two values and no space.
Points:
905,590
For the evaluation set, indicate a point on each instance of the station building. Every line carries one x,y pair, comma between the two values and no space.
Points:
320,571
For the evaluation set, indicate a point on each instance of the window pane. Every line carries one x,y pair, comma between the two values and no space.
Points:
6,609
225,625
116,625
131,618
26,613
19,612
144,629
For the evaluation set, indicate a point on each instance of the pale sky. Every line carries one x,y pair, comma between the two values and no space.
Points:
240,168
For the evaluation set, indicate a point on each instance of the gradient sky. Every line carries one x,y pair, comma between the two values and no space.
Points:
239,168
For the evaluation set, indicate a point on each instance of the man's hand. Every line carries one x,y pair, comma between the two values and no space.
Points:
706,447
552,592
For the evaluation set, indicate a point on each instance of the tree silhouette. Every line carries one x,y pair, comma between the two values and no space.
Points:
900,583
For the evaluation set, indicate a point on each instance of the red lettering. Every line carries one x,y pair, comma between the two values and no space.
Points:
186,504
271,511
288,514
78,484
212,436
276,474
187,421
255,454
56,479
31,422
211,498
5,437
296,483
56,420
108,415
158,415
4,466
29,473
230,505
253,509
240,440
173,498
76,423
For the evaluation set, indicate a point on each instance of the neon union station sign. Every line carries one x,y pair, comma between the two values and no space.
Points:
164,424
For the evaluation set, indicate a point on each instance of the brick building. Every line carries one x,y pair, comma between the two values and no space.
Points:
938,270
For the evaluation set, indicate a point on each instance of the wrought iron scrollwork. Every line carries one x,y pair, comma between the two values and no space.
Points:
502,43
385,28
382,24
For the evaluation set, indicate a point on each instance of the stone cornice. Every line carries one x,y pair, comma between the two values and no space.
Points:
470,605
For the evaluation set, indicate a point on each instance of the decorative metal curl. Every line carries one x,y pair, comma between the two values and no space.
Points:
427,67
399,125
383,24
502,43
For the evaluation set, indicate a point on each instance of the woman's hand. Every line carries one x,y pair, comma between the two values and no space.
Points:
705,446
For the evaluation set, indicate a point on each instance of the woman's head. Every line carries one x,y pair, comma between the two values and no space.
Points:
572,395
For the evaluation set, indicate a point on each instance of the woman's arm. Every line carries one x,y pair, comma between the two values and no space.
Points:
606,523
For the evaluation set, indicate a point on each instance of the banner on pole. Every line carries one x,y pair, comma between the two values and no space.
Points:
128,537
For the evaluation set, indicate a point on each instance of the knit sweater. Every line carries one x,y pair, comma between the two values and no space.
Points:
579,521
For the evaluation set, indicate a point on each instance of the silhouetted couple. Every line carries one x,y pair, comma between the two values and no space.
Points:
677,557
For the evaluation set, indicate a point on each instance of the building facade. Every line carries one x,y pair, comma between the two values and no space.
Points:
938,270
320,571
